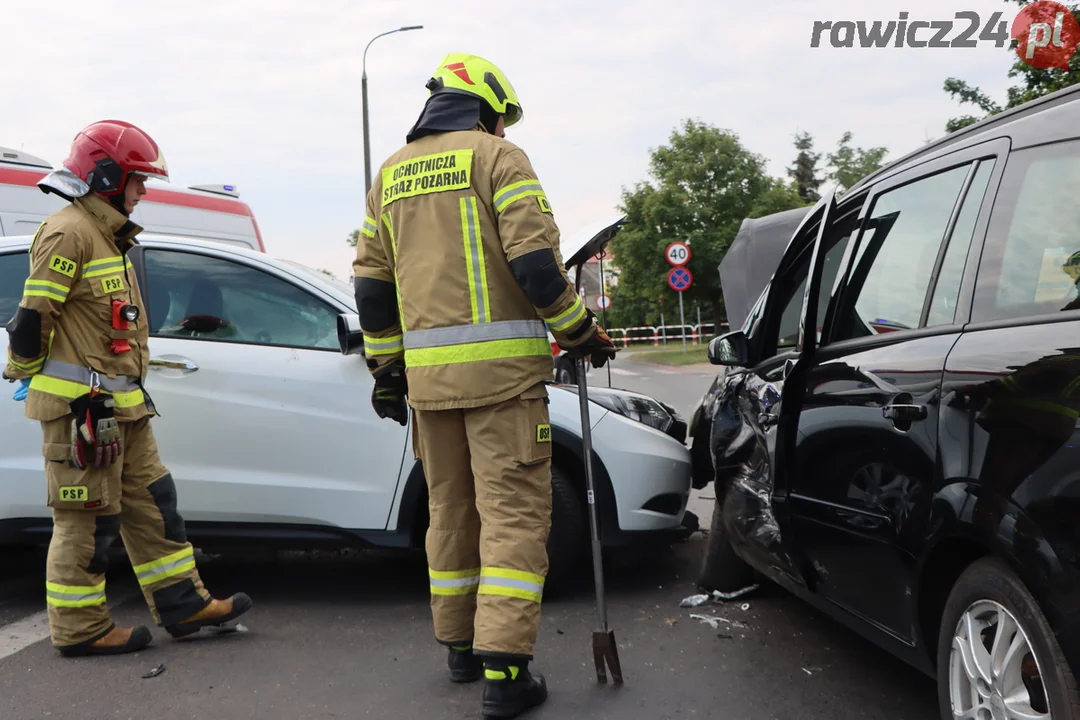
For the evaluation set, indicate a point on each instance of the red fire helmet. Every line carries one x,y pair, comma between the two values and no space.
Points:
106,153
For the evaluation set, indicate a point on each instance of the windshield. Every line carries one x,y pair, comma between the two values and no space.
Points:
319,276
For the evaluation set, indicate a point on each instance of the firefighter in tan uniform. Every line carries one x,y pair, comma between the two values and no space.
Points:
78,343
456,274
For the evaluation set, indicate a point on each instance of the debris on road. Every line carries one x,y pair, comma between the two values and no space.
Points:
745,607
155,672
694,601
724,636
227,628
670,621
714,621
719,596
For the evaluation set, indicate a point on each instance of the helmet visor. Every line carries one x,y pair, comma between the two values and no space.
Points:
151,176
514,115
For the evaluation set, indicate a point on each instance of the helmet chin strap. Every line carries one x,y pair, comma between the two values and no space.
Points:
117,200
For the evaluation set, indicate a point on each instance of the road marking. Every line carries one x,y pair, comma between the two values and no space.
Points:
620,371
21,634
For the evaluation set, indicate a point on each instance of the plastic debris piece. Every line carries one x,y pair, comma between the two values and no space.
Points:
717,595
560,632
155,672
670,621
694,601
807,671
724,636
228,628
745,607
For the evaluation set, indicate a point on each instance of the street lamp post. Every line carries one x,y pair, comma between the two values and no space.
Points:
363,90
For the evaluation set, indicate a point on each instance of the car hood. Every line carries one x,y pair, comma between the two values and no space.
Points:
590,241
753,257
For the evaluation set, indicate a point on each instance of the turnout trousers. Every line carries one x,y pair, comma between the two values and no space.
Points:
134,498
488,473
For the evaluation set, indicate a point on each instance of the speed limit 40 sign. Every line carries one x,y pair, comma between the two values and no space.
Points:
677,254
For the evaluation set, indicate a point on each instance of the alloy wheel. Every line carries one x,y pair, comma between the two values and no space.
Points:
993,671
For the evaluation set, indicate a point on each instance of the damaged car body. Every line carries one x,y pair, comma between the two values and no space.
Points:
893,435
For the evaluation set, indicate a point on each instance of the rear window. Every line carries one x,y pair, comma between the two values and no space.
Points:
1031,262
14,269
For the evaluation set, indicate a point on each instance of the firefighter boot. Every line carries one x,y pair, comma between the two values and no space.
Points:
510,689
464,666
114,642
218,612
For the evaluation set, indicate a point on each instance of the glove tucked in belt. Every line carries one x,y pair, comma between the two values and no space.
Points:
95,434
388,396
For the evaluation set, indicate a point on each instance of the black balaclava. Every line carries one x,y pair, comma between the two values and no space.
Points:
117,200
447,112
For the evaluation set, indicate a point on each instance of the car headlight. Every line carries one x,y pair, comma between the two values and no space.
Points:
641,408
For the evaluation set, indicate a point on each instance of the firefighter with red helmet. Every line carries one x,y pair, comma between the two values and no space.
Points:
78,344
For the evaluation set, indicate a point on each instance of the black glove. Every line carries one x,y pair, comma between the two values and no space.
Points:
598,347
388,395
95,435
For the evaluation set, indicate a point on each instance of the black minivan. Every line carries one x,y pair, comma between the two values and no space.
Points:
894,436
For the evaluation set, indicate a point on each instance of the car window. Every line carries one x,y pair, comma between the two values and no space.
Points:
896,255
14,269
947,288
198,296
1031,261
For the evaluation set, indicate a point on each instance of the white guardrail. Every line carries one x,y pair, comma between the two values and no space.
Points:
662,334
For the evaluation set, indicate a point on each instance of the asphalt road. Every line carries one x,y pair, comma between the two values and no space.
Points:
348,635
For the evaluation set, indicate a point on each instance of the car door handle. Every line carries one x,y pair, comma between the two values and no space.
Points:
182,364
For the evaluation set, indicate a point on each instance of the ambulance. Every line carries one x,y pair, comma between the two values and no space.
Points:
205,212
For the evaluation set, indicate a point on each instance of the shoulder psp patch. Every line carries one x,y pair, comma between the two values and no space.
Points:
60,264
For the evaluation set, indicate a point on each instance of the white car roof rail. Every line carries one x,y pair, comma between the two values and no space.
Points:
229,190
18,157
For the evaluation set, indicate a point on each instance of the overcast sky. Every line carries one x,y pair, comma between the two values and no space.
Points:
265,94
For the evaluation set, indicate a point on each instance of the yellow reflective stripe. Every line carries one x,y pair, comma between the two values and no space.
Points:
474,261
568,318
476,352
111,270
511,583
516,191
74,595
114,260
454,582
45,294
166,567
71,390
510,592
389,223
369,227
30,367
62,289
383,346
528,577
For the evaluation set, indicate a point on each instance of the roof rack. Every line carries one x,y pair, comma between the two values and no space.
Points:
17,157
229,190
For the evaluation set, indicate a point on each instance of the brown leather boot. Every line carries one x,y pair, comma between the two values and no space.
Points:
115,641
217,612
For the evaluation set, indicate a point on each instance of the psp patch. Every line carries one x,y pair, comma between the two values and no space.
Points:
545,206
543,433
60,264
112,284
74,493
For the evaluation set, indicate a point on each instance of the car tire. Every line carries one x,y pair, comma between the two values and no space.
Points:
991,592
568,538
564,371
721,568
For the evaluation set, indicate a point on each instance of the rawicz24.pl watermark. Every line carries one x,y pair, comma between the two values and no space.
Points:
1046,33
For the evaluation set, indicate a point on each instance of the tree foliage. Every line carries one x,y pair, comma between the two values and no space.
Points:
704,183
850,164
353,239
1031,83
805,171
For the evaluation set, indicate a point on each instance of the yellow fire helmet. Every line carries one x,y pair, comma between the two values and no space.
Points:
473,75
1072,267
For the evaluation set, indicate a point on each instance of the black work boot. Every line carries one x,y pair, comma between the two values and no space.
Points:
510,689
464,666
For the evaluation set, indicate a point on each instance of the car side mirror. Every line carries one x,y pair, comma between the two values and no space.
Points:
730,349
350,335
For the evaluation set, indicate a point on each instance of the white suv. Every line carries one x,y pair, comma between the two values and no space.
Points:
269,432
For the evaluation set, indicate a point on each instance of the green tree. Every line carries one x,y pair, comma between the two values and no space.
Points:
1031,83
805,170
354,238
851,164
704,183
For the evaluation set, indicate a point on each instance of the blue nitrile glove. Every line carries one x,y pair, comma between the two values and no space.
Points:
20,392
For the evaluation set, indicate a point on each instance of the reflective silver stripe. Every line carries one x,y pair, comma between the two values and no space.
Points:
74,373
164,570
75,597
456,582
476,253
505,197
369,227
91,270
512,583
462,334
